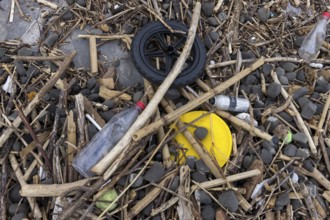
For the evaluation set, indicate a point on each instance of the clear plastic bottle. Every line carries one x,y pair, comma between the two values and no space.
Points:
230,103
102,143
313,41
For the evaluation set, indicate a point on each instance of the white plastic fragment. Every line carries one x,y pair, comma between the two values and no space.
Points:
8,86
258,189
292,10
316,65
247,118
294,178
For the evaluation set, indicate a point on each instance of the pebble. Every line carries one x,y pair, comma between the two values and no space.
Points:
309,110
288,66
259,104
75,89
19,216
208,41
287,117
266,156
3,51
51,39
109,103
25,51
282,200
128,28
172,94
251,80
212,21
291,76
274,89
248,55
122,181
70,2
81,2
263,14
290,150
315,96
14,195
301,76
229,200
302,101
191,161
175,184
201,167
20,67
283,80
203,197
157,217
138,182
18,208
32,71
54,95
303,153
94,97
208,213
222,16
267,68
280,71
298,41
91,82
92,130
67,16
107,115
17,146
269,145
308,165
200,133
247,161
300,138
198,177
207,8
137,96
296,204
300,93
85,92
155,173
214,35
322,86
147,210
256,89
320,107
7,59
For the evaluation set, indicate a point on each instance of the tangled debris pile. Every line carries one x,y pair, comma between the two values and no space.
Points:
67,68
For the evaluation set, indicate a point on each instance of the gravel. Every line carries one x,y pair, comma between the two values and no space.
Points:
282,200
155,173
203,197
266,156
274,89
300,138
207,8
263,14
51,39
229,200
208,213
300,93
191,161
288,66
308,110
198,177
200,133
290,150
201,167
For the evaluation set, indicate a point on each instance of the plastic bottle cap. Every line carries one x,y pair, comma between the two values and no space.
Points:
141,105
326,14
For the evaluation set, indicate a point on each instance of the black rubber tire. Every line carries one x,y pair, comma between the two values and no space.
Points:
150,72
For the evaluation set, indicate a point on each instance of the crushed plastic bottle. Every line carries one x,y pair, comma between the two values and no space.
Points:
313,41
229,103
102,143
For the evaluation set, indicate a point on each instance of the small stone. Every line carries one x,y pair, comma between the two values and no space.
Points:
301,76
290,150
320,107
93,97
212,21
283,80
322,86
296,204
298,41
308,165
128,28
247,161
248,55
308,110
263,14
175,184
155,173
109,103
85,92
283,199
201,167
200,133
17,146
207,8
138,182
172,94
208,213
91,82
303,153
302,101
3,51
203,197
214,35
269,145
25,51
208,41
291,76
300,93
51,39
70,2
251,80
266,156
54,95
20,67
274,89
287,117
288,66
81,2
19,216
6,59
280,71
198,177
300,137
147,210
107,115
32,71
92,130
259,104
18,208
67,16
122,181
267,68
256,89
229,200
315,96
191,161
14,194
222,16
137,96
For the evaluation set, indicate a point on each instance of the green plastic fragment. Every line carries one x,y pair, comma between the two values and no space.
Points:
107,199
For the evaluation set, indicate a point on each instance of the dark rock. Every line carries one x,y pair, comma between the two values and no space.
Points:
274,89
269,145
138,182
214,35
266,156
319,109
267,68
137,96
20,67
212,21
222,16
19,216
301,76
203,197
85,92
229,200
315,96
93,97
300,137
109,103
208,213
14,195
247,161
191,161
290,150
302,101
175,184
207,8
298,41
17,146
91,82
200,133
248,55
287,117
157,217
6,59
271,123
18,208
107,115
51,39
256,89
122,181
3,51
291,76
308,165
92,130
283,199
201,167
251,80
147,209
288,66
263,14
296,204
67,16
81,2
309,110
70,2
128,28
198,177
283,80
280,71
32,71
322,86
25,51
155,173
208,41
259,104
300,93
303,153
54,95
173,94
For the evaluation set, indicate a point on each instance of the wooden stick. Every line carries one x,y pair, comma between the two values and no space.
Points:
100,167
72,143
12,11
39,58
317,175
300,121
6,134
218,5
322,119
48,3
138,135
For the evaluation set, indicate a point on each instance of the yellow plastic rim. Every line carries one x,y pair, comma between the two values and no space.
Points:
218,141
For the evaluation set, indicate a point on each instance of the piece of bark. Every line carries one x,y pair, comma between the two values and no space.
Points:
253,181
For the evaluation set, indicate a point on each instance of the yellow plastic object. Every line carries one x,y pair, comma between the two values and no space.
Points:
218,141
